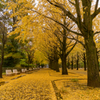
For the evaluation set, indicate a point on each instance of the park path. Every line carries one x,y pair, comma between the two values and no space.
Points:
34,86
80,71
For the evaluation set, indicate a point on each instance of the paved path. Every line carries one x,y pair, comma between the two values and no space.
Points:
35,86
80,71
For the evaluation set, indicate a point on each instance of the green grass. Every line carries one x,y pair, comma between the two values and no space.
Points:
74,80
3,73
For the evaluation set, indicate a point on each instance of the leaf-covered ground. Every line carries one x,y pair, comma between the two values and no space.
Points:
46,84
35,86
74,86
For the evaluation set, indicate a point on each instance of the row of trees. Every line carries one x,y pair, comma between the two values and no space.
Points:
14,52
60,25
82,17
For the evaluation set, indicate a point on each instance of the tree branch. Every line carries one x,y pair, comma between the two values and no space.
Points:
71,49
57,37
69,46
96,32
98,51
71,3
96,5
95,13
68,13
77,41
69,42
78,13
64,26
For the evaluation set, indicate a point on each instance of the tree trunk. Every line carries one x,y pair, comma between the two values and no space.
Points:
1,69
77,61
68,63
92,62
72,63
64,69
1,65
56,57
54,65
84,61
50,64
63,56
2,56
57,65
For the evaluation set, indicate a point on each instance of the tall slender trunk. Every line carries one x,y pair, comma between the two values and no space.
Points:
72,63
68,63
64,69
84,61
51,64
92,62
63,56
0,70
2,55
77,61
57,65
54,65
56,57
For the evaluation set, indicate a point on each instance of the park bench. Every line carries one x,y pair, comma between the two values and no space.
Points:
26,70
23,70
9,72
30,69
15,71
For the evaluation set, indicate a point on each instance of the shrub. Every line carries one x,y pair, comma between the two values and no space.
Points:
74,80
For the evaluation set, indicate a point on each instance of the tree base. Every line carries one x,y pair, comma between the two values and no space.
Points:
94,83
64,73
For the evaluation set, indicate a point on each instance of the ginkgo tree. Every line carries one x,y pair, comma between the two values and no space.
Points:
83,17
81,12
48,46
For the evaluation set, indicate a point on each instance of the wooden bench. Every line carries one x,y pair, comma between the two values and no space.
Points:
9,72
23,70
30,69
15,71
26,70
33,68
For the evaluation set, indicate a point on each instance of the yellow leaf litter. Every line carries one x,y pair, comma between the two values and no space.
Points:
38,86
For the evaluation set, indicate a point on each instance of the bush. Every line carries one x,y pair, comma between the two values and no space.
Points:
23,63
74,80
10,62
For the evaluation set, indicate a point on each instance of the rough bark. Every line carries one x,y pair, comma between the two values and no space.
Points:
72,63
77,61
63,56
84,61
56,57
92,63
64,69
0,70
57,65
68,63
2,55
51,64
